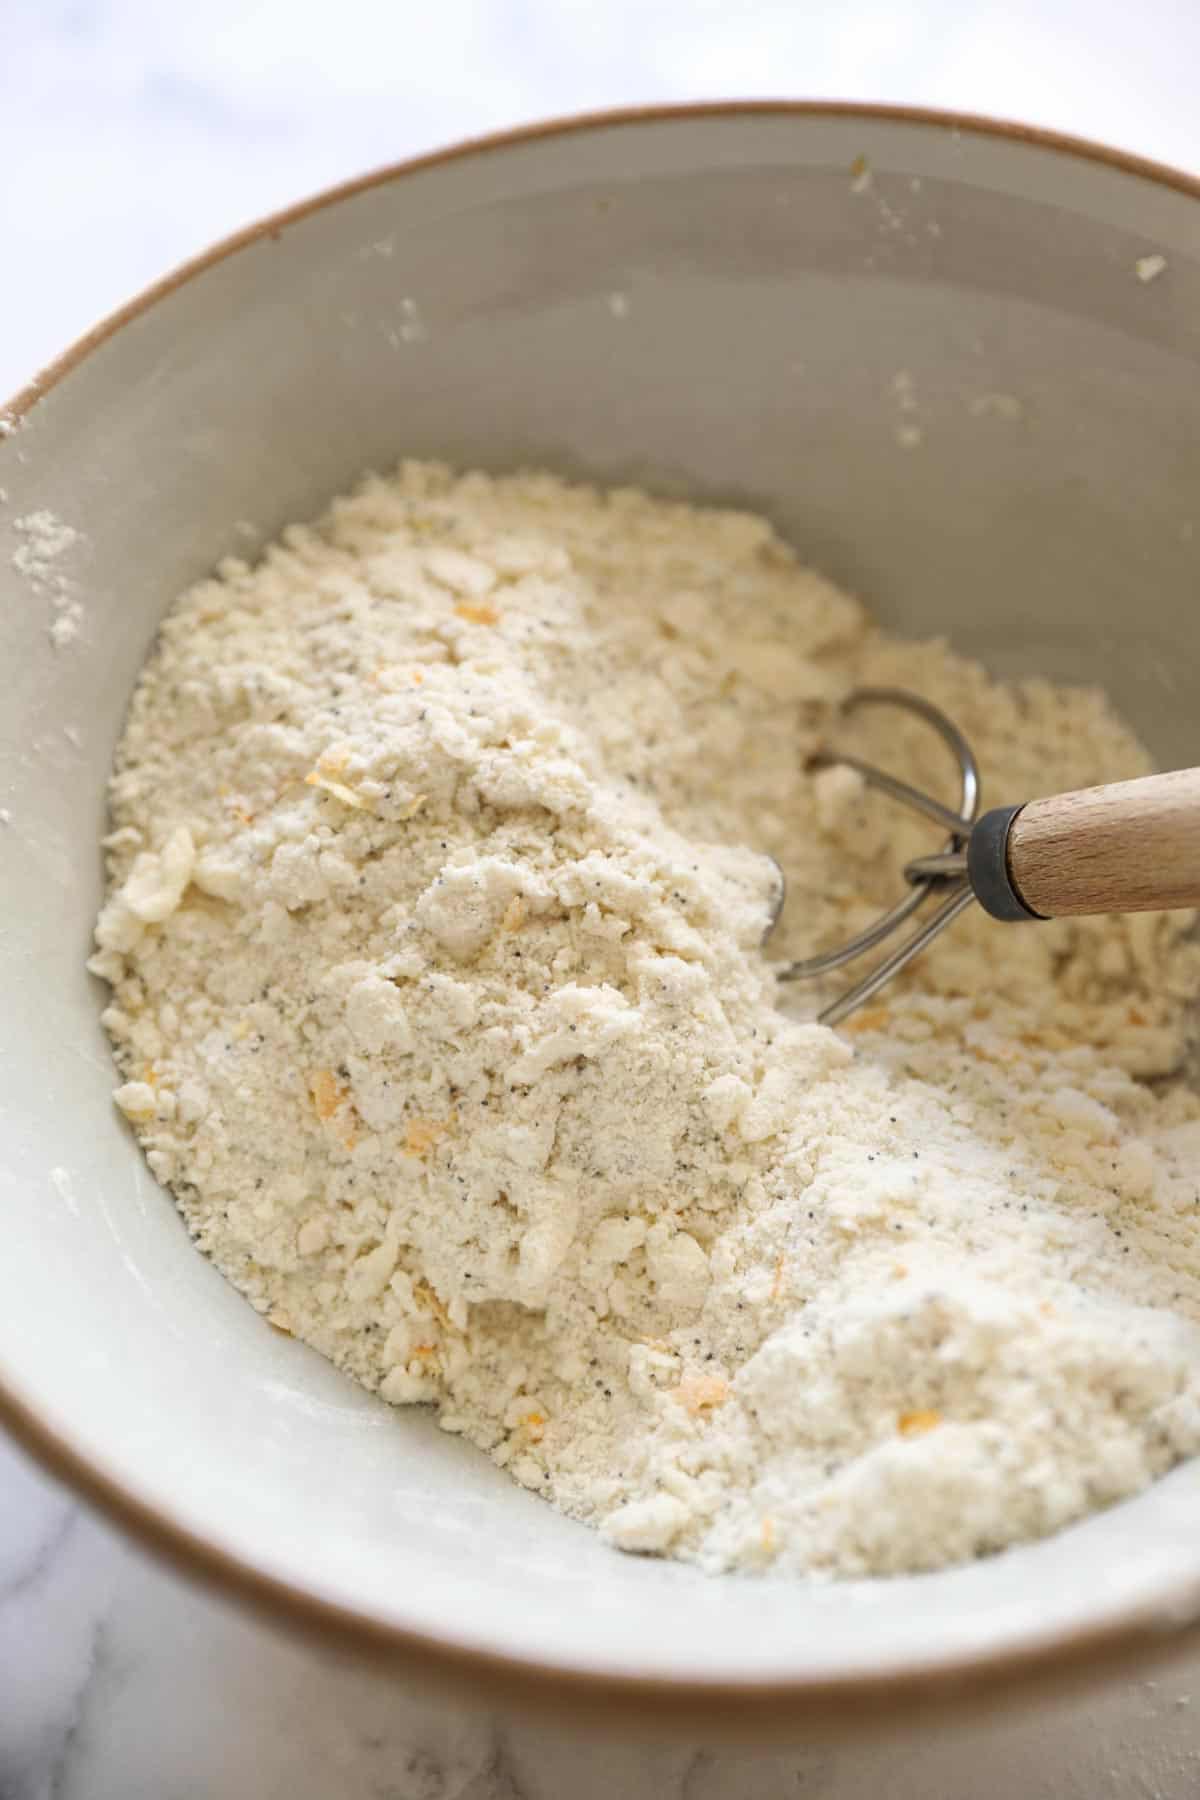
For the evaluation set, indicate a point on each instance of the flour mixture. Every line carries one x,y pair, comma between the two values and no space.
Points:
438,885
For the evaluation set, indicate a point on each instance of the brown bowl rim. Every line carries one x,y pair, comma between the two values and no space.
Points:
730,1708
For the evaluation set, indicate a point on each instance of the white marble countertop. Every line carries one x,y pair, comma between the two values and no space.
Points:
118,1681
131,135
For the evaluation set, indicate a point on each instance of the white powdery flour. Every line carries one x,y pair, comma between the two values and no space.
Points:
434,934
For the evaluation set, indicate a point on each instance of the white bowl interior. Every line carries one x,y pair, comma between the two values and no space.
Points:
1049,518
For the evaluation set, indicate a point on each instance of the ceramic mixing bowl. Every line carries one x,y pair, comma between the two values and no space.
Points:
960,366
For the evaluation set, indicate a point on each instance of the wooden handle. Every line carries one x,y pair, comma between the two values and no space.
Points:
1131,847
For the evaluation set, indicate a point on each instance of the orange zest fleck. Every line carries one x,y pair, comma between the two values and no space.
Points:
327,1092
331,1103
875,1018
423,1135
425,1294
915,1424
701,1393
477,612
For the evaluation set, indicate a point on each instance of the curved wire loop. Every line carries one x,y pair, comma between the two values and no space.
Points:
924,875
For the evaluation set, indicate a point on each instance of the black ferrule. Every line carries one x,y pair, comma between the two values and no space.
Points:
987,866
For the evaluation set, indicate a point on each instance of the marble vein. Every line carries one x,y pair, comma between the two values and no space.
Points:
15,1586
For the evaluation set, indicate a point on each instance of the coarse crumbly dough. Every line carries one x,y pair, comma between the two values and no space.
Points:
434,935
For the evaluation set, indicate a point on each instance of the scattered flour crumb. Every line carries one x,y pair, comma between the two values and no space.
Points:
437,890
618,305
907,433
995,406
1149,268
66,624
412,325
44,540
904,388
861,177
